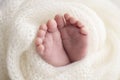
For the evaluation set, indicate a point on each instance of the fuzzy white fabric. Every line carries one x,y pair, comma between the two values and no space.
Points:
20,20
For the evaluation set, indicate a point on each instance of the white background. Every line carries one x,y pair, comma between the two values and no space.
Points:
115,1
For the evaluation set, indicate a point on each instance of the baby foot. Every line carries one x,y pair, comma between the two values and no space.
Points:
74,36
49,44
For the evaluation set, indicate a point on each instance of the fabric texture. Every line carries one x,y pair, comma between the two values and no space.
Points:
20,20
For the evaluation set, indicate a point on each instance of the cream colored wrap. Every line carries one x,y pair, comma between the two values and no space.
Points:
20,20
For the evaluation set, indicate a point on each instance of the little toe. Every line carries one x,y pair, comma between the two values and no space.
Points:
60,21
40,49
52,26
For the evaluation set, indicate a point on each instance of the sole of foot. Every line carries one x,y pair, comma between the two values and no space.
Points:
74,36
49,44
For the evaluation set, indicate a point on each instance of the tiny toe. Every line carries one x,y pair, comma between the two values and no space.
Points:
60,21
40,49
52,25
73,20
83,31
67,16
38,41
41,34
79,25
43,27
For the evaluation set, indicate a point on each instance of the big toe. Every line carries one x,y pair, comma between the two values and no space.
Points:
52,26
60,21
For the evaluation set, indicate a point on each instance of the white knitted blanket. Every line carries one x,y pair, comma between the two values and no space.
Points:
20,20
